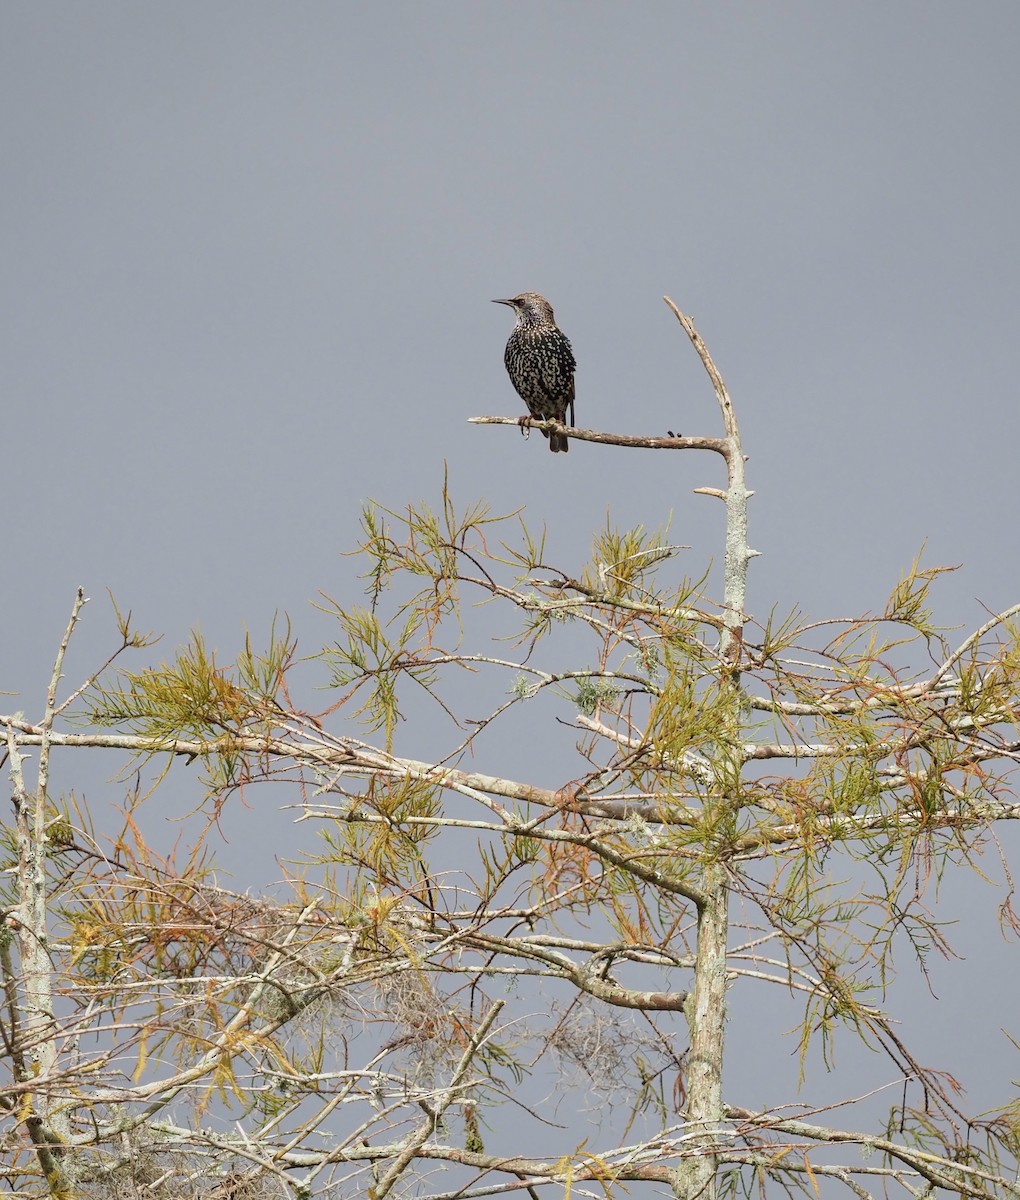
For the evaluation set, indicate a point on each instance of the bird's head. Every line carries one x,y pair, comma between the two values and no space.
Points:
531,308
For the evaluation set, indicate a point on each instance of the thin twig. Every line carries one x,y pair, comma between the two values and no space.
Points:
443,1101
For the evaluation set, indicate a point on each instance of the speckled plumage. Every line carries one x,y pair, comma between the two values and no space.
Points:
541,364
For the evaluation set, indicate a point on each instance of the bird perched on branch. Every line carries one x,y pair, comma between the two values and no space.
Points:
541,364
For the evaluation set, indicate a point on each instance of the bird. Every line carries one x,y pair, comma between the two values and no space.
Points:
540,363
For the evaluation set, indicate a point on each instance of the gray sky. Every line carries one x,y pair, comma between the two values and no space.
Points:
249,248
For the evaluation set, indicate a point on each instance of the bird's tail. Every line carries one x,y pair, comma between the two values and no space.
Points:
558,442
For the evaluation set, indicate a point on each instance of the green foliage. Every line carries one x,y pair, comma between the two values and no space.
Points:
828,776
193,698
594,693
624,562
909,603
391,847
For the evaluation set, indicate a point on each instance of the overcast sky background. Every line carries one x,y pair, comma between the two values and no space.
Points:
249,251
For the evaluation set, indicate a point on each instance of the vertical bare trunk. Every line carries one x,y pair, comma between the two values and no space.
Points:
28,991
706,1006
705,1010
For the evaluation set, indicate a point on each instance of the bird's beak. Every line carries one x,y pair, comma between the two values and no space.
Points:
510,302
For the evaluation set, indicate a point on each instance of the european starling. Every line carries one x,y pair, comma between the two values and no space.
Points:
541,364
